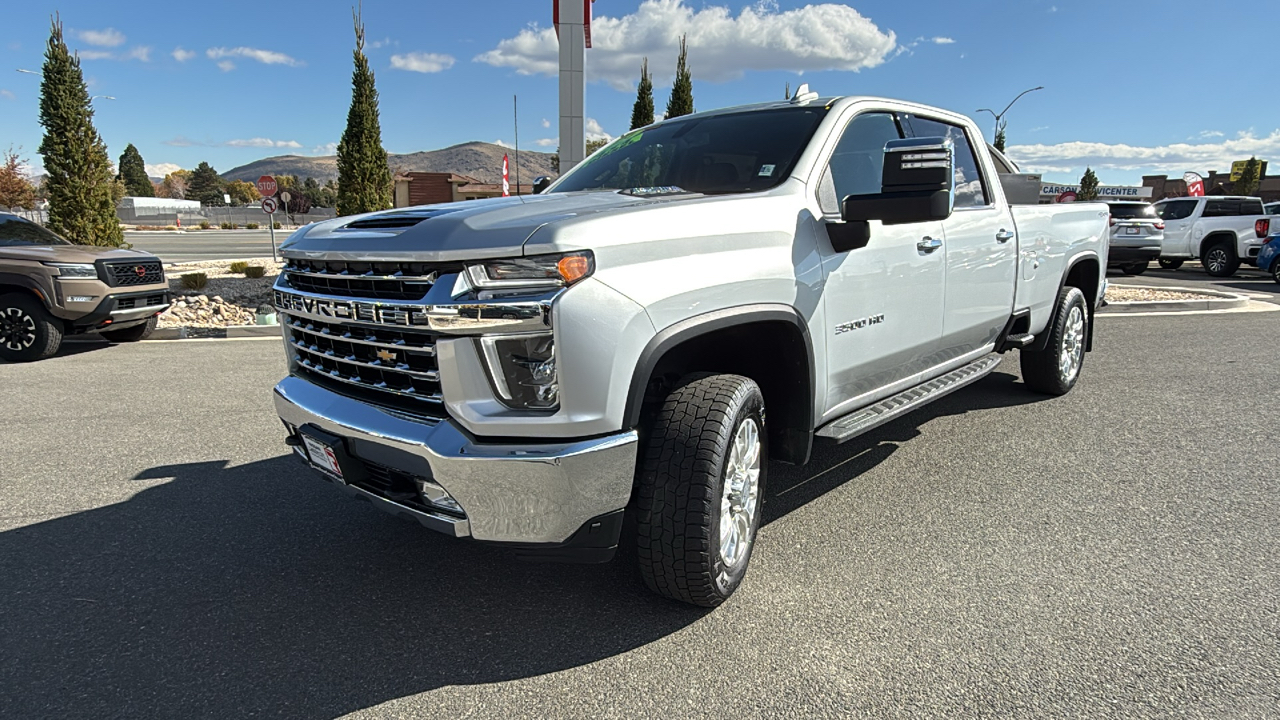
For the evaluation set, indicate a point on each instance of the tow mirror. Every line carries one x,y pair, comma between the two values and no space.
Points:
917,185
540,184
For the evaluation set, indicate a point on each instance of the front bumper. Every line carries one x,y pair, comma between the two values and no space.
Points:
124,310
528,494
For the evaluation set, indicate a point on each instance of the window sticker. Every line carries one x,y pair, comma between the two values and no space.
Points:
767,170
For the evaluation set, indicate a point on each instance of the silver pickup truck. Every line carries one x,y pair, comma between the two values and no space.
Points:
620,357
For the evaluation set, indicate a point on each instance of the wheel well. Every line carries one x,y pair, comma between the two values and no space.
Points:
7,288
774,353
1215,238
1084,275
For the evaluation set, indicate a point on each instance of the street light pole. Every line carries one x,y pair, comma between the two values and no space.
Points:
1000,116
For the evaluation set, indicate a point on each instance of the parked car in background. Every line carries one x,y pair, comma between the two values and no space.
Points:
1221,232
1269,257
1136,236
1273,208
50,288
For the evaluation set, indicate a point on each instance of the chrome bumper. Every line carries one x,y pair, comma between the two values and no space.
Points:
528,493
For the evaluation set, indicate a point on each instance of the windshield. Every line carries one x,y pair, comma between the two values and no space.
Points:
1127,211
16,231
733,153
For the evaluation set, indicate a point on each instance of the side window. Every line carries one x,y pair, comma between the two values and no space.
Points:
1251,207
857,165
970,190
1176,209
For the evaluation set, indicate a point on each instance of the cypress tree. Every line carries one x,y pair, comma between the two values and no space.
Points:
1249,178
1000,138
642,113
1088,186
206,186
78,182
681,102
364,178
133,172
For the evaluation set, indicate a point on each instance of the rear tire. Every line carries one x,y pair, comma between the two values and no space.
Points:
1275,272
1220,260
1055,370
1170,264
700,489
1136,269
27,331
131,334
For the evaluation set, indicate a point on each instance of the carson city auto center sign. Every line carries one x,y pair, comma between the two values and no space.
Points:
1050,193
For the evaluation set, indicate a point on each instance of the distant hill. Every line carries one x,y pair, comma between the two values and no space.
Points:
482,161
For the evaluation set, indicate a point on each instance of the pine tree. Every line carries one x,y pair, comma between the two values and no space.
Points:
642,113
1000,138
681,101
133,172
364,178
1249,178
78,171
206,186
1088,186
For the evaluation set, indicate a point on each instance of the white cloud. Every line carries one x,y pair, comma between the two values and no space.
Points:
422,62
546,123
1173,158
161,169
108,37
325,149
226,65
183,55
266,57
263,143
503,143
8,95
593,130
1053,8
722,46
384,42
140,52
1210,134
546,142
942,41
96,55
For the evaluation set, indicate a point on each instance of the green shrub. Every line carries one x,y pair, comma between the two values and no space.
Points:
204,225
254,271
239,266
251,226
194,281
276,225
227,226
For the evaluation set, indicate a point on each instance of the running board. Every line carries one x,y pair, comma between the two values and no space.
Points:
873,416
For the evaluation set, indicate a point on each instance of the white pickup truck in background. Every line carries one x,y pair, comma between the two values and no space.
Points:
1221,232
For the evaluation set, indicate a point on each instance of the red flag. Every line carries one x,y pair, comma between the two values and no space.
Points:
1195,184
506,177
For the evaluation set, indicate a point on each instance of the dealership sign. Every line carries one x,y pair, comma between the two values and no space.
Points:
1104,191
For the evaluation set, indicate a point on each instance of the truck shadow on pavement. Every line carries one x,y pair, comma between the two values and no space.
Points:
230,591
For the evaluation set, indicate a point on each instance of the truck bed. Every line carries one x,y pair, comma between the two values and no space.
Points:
1049,238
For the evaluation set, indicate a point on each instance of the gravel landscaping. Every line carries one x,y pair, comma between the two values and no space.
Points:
1135,294
228,299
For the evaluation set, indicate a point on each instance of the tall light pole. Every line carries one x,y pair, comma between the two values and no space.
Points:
104,97
1000,116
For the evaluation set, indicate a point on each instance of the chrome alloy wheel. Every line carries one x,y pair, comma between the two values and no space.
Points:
1072,353
1216,260
17,329
740,499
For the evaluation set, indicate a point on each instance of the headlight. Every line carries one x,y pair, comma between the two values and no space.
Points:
532,272
75,270
523,370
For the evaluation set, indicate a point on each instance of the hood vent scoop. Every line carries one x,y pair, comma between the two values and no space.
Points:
387,222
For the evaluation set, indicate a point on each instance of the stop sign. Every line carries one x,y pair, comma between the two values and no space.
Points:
266,186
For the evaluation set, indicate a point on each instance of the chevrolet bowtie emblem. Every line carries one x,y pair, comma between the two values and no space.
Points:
386,356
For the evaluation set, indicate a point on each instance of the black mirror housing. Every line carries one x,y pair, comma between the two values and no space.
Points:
540,184
917,184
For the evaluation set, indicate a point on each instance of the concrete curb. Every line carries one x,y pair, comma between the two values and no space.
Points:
227,333
1220,301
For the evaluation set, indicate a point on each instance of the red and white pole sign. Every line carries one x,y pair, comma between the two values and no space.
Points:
269,205
266,186
1195,184
586,19
506,177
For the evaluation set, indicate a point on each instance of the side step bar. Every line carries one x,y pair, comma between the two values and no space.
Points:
873,416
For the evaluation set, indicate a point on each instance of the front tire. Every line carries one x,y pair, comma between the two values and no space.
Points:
1275,272
27,331
131,334
1220,260
1170,264
700,490
1055,370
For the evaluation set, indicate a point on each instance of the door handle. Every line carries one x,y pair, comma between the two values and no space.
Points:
928,244
1004,235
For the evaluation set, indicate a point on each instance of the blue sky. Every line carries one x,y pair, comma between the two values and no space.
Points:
1130,88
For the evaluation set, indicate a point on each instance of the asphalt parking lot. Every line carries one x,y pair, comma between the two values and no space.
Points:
1115,552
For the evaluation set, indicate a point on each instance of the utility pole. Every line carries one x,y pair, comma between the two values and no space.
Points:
1000,116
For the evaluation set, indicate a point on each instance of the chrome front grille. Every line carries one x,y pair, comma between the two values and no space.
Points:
395,366
372,280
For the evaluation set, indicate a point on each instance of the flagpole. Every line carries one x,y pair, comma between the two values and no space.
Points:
515,107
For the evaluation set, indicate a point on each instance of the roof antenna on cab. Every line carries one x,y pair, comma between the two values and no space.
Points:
804,95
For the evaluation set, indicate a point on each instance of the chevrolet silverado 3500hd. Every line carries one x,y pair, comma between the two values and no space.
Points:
698,298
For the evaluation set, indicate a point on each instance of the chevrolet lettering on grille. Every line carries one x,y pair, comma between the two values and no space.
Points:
401,315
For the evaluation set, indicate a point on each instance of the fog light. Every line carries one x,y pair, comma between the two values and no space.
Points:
81,298
433,494
523,370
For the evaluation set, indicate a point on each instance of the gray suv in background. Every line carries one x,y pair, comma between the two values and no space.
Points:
1137,235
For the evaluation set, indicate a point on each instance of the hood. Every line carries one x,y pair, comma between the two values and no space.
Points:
468,230
71,253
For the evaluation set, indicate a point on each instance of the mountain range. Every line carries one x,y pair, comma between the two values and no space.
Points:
480,160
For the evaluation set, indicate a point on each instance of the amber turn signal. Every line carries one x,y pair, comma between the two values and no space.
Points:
574,267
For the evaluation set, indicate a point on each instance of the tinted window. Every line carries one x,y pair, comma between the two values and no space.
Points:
16,231
970,191
1126,211
1176,209
735,153
1221,208
1251,207
1273,209
857,165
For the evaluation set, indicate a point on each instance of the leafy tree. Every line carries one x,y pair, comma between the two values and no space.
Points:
1000,138
642,113
1250,178
592,146
79,173
175,185
364,178
681,101
1088,186
242,192
15,190
133,171
118,192
206,186
319,195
